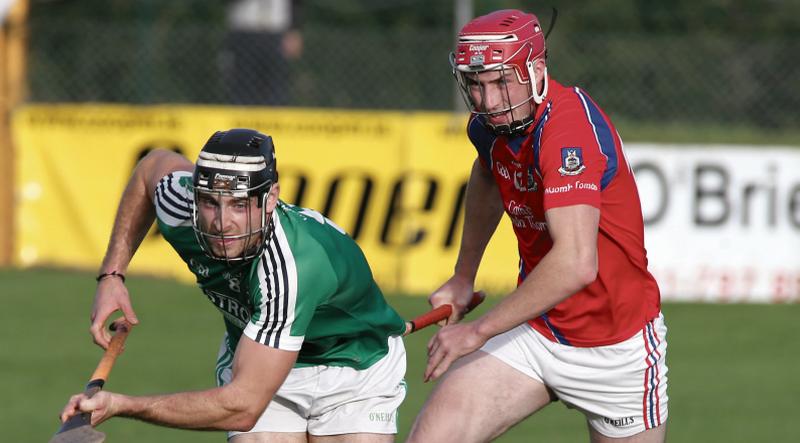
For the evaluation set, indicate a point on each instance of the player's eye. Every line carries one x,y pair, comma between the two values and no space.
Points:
208,202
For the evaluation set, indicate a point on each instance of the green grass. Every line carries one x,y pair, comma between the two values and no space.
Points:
733,368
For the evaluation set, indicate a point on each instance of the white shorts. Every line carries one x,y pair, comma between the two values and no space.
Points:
332,400
620,388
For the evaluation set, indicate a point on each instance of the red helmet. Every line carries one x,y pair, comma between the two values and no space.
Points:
506,39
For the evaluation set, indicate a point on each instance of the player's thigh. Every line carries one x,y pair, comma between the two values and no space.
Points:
652,435
352,438
478,399
269,437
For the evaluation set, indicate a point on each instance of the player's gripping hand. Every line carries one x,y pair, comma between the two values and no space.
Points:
456,291
111,296
102,406
449,344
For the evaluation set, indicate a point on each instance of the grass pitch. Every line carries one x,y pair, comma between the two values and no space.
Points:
732,368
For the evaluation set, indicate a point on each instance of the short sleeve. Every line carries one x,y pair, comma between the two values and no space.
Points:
571,161
281,314
173,199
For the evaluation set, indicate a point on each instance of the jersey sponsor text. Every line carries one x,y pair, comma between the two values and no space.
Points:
569,187
233,311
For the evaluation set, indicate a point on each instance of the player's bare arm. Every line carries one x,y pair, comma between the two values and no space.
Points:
135,215
258,372
482,214
568,267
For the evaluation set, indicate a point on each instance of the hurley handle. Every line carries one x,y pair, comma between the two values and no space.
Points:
78,427
441,313
122,328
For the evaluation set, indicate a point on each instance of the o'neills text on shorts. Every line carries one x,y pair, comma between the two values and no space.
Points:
619,422
386,417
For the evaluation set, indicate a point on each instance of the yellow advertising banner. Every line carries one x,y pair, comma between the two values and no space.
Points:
395,181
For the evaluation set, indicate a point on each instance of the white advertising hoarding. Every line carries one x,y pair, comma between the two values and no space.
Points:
722,223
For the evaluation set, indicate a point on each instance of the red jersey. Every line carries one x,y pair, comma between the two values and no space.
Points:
572,155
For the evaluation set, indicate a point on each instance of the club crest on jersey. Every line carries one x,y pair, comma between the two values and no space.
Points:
185,182
571,161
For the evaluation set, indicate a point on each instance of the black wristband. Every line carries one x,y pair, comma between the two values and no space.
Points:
111,274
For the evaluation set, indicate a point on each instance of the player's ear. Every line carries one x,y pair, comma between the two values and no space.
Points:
539,67
272,197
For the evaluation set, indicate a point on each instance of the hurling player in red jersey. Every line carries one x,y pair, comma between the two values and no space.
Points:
584,325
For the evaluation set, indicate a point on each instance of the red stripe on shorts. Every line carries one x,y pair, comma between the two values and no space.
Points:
646,379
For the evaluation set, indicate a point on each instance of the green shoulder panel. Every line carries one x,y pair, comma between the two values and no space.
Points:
322,292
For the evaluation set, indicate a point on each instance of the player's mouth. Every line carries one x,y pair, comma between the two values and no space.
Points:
499,118
224,242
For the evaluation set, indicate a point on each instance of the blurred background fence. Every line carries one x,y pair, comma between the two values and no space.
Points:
727,62
705,94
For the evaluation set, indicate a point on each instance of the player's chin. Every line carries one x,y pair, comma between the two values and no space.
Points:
228,250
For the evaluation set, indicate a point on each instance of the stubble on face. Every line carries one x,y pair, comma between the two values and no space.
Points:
238,228
496,92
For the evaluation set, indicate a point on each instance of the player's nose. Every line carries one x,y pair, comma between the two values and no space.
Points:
493,100
221,220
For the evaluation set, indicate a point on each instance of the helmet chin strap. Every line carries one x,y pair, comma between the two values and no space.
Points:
537,98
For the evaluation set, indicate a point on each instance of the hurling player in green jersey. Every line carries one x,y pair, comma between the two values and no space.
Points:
311,350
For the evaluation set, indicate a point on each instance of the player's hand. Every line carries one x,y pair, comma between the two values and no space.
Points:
448,345
457,292
111,296
103,405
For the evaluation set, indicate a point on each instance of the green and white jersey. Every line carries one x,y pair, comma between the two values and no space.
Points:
311,290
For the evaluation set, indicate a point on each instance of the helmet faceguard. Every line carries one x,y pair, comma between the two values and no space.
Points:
235,168
500,43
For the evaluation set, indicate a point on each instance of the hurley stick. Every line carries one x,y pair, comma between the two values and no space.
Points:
78,428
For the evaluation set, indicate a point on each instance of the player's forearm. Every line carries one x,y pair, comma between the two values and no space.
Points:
135,215
213,409
482,214
552,281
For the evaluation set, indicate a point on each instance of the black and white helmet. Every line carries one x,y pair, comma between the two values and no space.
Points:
236,163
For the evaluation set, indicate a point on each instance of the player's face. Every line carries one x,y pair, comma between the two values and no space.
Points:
500,94
233,223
